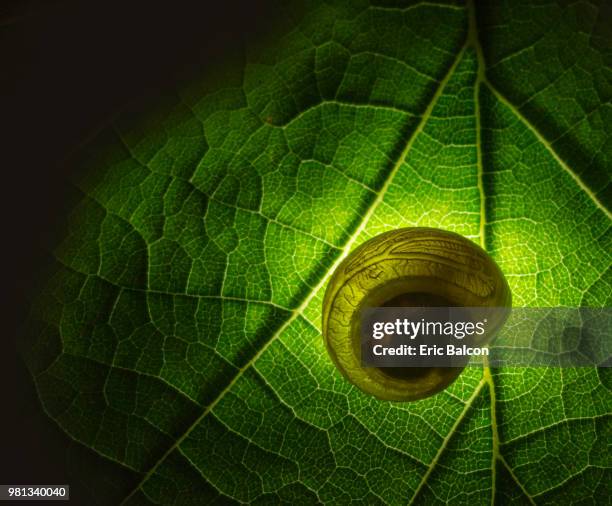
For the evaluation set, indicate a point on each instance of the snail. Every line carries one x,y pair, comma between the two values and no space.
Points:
407,267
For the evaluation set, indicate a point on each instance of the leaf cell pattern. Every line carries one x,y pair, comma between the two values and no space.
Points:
178,336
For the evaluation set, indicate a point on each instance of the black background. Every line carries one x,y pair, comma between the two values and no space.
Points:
67,68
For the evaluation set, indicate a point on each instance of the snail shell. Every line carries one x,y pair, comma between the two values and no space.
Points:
407,267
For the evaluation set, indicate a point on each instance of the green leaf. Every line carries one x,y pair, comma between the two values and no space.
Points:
178,338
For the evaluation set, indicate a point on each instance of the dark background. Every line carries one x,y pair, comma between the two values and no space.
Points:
67,68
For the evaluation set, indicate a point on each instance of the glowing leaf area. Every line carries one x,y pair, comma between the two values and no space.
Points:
177,341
